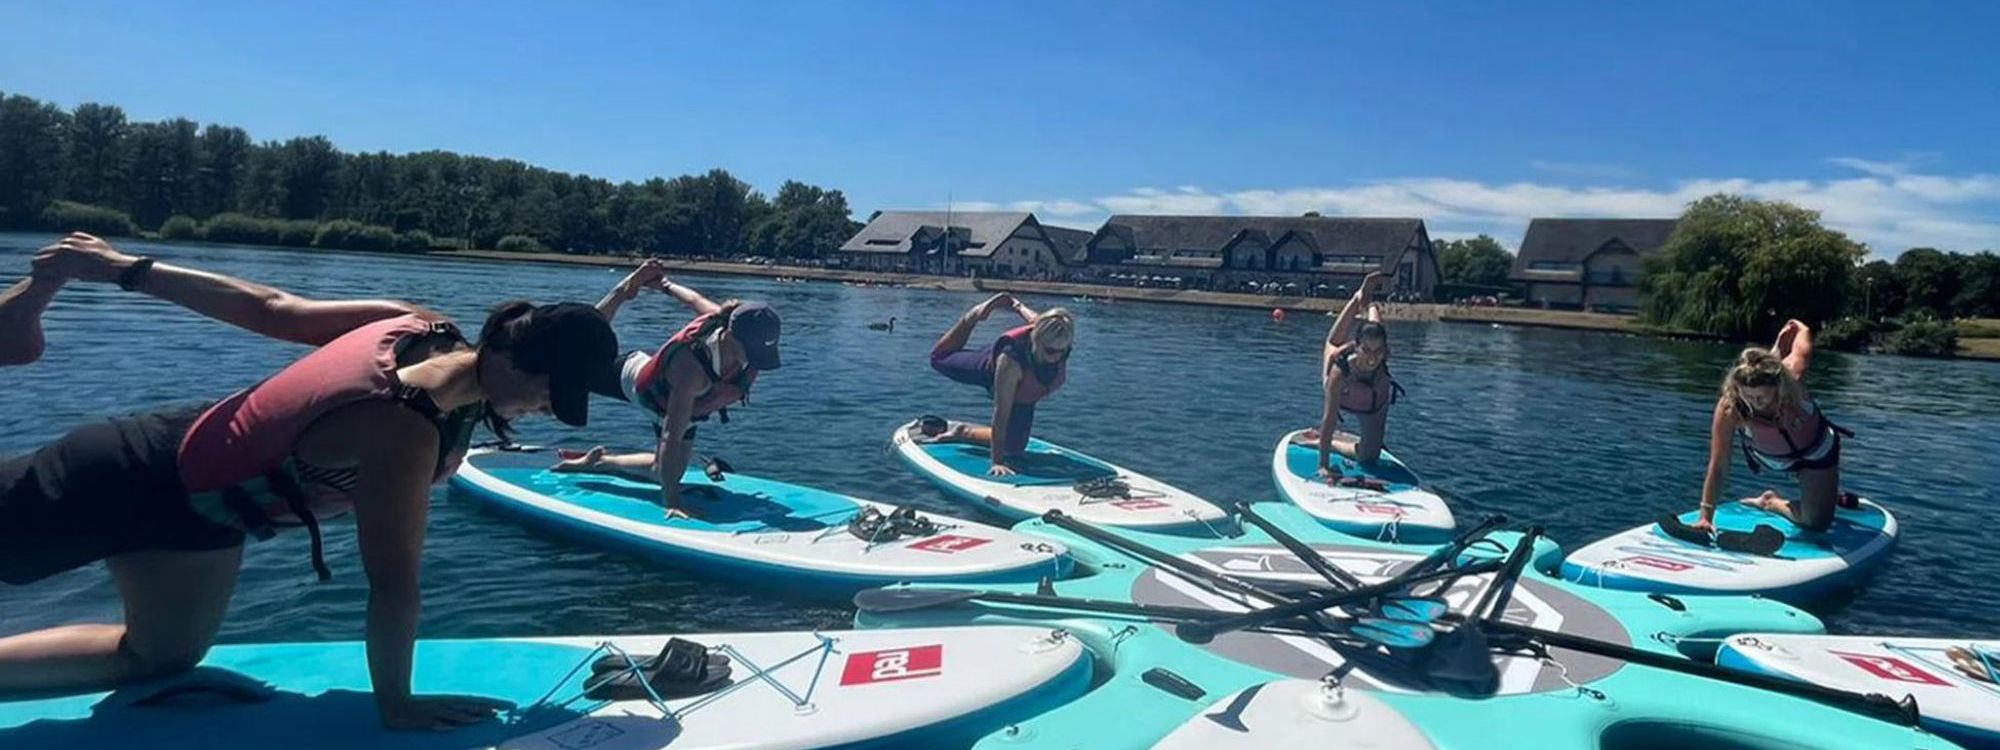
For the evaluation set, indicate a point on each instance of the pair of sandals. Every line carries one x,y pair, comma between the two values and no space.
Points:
1366,483
1103,487
872,525
682,669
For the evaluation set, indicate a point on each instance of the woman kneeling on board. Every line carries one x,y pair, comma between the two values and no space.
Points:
1782,428
1025,365
1354,375
367,422
726,346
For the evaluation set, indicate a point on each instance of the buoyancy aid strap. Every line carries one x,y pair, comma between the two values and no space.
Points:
238,501
295,499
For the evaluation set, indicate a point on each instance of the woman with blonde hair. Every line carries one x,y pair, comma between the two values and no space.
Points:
1025,365
1764,400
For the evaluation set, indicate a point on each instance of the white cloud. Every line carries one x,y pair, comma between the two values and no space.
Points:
1580,169
1889,207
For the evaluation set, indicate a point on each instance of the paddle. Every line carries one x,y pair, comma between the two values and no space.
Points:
1904,712
1207,630
1416,609
1763,541
1394,634
1463,658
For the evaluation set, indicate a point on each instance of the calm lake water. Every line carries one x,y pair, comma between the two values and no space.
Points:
1585,433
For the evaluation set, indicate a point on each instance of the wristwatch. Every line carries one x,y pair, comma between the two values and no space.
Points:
130,278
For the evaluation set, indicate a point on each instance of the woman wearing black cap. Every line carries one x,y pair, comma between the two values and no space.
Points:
706,367
367,422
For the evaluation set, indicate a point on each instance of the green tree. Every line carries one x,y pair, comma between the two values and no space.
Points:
224,152
1479,261
308,171
31,158
1739,267
1877,291
96,156
166,165
1930,280
1979,297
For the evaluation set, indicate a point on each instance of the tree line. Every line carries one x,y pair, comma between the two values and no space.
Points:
93,167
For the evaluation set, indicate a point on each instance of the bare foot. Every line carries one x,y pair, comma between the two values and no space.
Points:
986,308
1969,663
21,307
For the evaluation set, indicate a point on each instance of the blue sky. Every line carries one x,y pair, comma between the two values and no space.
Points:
1472,116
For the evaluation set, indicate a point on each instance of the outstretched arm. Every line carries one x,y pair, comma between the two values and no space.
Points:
1720,432
21,308
1343,324
1795,347
648,274
693,299
248,305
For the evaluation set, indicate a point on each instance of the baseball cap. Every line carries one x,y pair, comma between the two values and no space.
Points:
571,343
755,325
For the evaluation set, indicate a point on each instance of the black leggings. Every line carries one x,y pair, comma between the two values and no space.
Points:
105,489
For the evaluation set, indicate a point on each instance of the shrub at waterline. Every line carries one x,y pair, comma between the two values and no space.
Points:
517,243
180,227
1738,267
66,216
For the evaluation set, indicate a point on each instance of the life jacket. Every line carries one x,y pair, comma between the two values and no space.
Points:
652,388
1803,437
1038,378
236,460
1365,398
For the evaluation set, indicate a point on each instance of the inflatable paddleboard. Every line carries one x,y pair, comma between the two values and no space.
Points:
1052,477
1809,566
1297,714
1380,501
921,688
1959,699
769,532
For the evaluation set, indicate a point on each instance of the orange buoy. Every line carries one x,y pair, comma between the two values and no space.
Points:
1277,315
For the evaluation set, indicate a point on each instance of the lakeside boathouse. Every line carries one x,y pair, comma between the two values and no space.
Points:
1591,264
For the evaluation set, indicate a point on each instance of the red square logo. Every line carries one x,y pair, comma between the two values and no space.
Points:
949,544
889,665
1648,561
1139,503
1891,668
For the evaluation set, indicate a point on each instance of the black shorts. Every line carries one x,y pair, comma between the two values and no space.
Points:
105,489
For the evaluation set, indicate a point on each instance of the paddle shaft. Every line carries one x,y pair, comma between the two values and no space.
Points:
1875,704
1190,570
1306,554
1201,632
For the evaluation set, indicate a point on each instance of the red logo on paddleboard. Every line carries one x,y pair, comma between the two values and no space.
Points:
1648,561
1380,509
894,664
1891,668
949,544
1139,504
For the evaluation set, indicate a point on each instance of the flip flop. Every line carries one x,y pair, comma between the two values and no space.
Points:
682,669
616,662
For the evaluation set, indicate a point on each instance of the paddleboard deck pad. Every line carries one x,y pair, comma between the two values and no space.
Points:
1376,501
1051,477
787,691
750,528
1808,567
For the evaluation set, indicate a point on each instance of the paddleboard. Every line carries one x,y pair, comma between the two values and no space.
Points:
1809,567
1960,703
1051,477
1297,714
920,688
749,528
1392,508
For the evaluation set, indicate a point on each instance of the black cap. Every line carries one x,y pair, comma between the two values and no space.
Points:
571,343
755,325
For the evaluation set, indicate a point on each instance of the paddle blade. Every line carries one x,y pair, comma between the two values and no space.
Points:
908,599
1461,662
1763,541
1412,609
1393,634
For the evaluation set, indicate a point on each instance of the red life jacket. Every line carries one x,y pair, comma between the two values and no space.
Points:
1038,379
653,389
236,460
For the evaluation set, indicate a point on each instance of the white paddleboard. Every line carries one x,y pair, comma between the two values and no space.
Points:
1959,703
779,534
1807,568
921,687
1390,507
1048,479
1297,714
